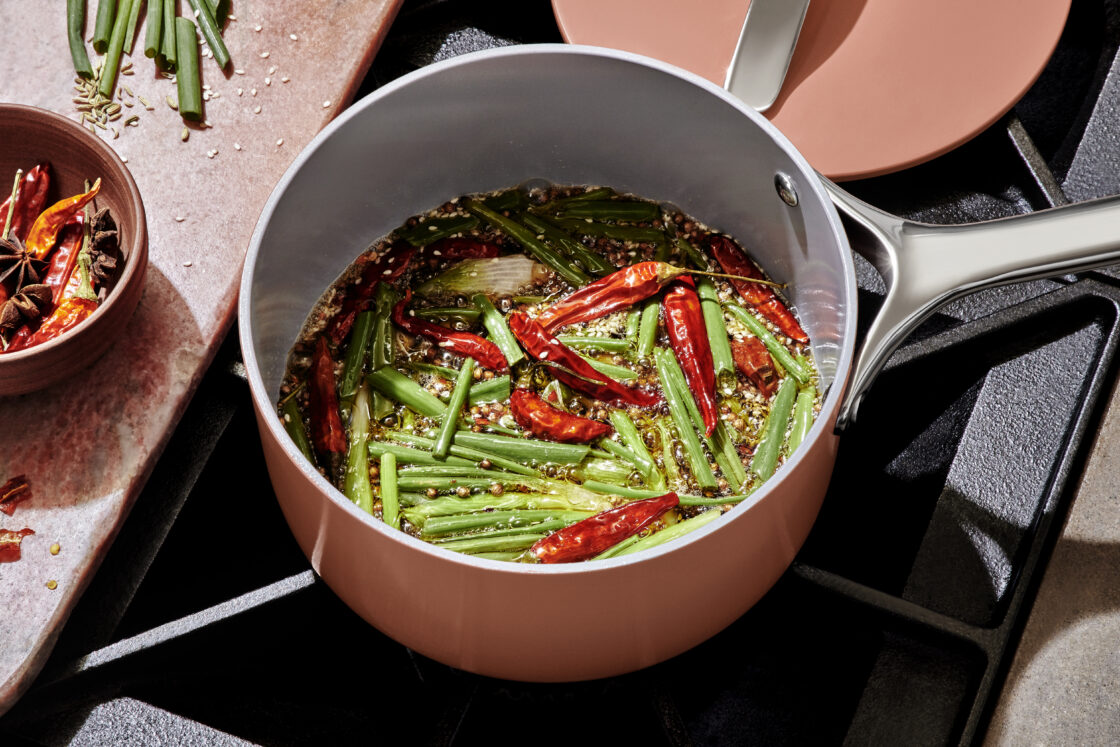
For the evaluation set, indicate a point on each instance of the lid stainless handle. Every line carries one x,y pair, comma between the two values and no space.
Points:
764,51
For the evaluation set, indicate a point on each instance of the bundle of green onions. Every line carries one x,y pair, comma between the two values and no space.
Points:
170,40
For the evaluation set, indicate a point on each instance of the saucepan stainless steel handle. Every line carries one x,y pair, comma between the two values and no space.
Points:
926,266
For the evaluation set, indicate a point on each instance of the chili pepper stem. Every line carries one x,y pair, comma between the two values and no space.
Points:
85,286
12,202
672,271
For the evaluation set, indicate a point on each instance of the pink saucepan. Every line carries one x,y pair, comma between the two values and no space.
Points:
580,115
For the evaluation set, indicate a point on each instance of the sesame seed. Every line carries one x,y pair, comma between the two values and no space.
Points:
237,146
124,159
327,104
188,263
285,79
257,27
239,71
271,69
252,92
256,110
264,55
268,81
293,37
179,219
279,142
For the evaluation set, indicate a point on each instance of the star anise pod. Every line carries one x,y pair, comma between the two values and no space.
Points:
104,245
27,305
18,263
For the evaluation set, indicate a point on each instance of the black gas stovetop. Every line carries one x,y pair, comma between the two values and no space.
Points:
895,625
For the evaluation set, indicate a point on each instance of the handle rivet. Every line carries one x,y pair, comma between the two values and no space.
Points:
784,184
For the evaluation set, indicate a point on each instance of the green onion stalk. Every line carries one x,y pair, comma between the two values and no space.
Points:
496,325
187,79
75,21
390,499
717,334
567,244
678,410
469,455
113,51
169,48
400,388
293,424
632,440
356,485
802,419
454,408
485,502
434,229
103,25
765,459
500,520
721,444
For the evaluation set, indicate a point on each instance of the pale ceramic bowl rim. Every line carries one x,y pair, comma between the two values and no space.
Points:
135,257
266,406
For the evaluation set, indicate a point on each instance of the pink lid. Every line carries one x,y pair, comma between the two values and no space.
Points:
874,86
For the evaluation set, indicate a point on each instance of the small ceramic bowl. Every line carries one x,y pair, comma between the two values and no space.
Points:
32,136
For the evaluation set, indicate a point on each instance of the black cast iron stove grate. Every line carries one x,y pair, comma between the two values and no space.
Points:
895,625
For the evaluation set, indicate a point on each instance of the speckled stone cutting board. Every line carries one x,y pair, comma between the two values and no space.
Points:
88,445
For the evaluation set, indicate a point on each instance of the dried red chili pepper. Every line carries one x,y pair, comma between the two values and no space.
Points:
65,256
327,433
9,544
388,267
462,247
33,188
619,290
545,421
579,374
67,315
461,343
14,491
586,539
684,324
753,361
44,231
732,259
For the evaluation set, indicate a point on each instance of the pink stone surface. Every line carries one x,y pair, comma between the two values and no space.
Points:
87,445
